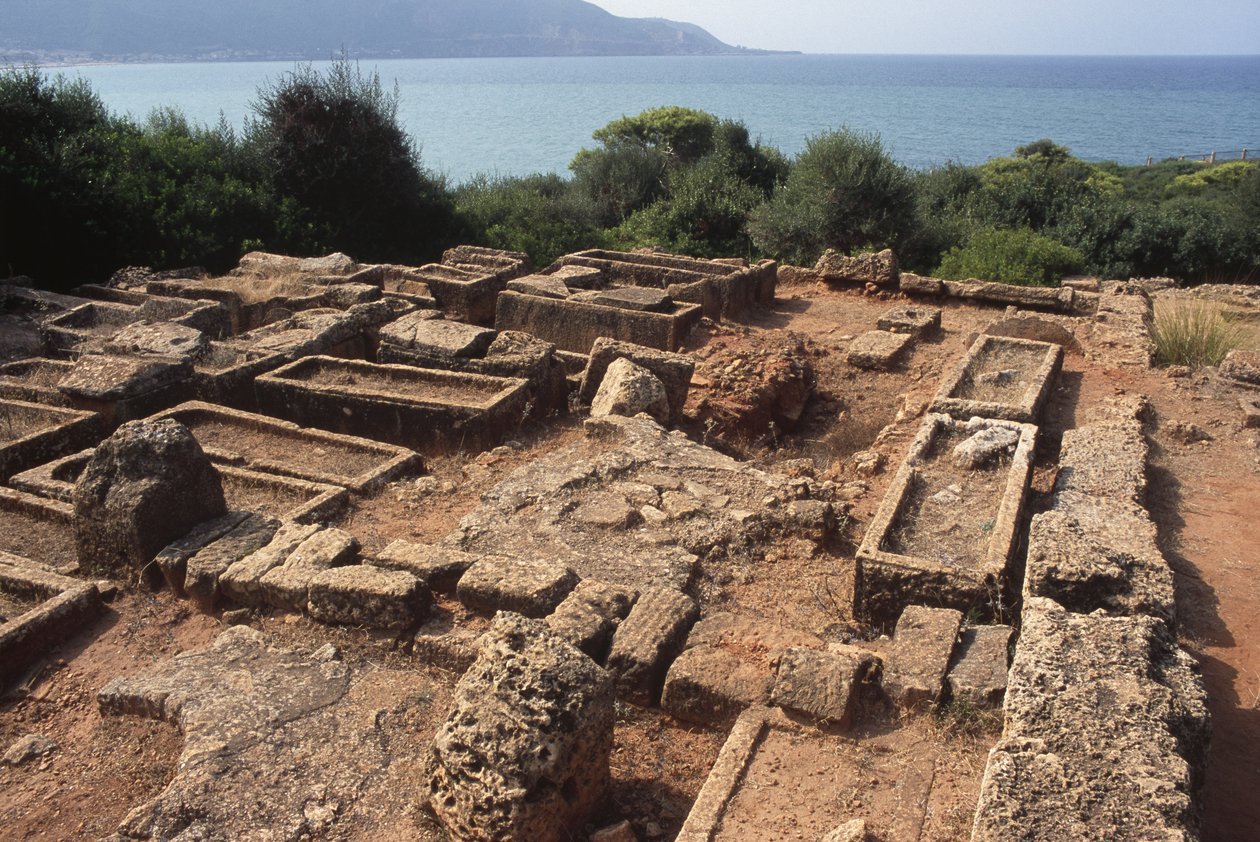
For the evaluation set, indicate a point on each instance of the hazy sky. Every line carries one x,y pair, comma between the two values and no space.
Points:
1121,27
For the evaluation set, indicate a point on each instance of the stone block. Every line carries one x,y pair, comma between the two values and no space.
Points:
163,339
287,586
1106,459
145,486
362,595
978,671
822,684
1250,413
440,568
532,588
911,319
728,666
524,753
878,349
548,286
914,673
630,298
1243,366
1106,733
1097,553
673,370
242,582
204,567
590,614
629,389
879,268
26,638
647,641
173,559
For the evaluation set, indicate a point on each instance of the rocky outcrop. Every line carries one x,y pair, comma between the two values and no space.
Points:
524,752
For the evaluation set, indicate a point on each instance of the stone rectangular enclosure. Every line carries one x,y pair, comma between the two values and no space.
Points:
426,409
944,535
1001,377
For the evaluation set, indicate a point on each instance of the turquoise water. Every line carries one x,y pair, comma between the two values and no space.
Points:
517,116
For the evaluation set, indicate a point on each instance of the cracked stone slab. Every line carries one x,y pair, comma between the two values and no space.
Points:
280,744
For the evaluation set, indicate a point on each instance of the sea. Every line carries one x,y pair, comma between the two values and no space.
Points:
517,116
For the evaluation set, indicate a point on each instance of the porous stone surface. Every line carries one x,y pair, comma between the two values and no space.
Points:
534,513
524,752
1095,553
165,339
978,670
879,268
628,389
728,665
242,582
644,299
532,588
912,319
440,568
363,595
985,444
914,671
288,585
451,339
112,377
878,349
1243,366
548,286
1106,733
590,614
204,568
647,642
173,559
145,486
1250,412
673,370
1105,459
279,743
822,684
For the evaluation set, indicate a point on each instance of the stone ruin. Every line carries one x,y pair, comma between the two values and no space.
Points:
215,436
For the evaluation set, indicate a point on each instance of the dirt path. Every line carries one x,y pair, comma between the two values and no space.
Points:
1206,499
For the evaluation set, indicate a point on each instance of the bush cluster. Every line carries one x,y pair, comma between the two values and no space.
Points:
324,165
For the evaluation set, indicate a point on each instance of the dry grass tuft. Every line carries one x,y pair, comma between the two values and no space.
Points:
1194,334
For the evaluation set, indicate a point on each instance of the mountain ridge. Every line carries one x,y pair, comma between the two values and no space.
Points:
315,29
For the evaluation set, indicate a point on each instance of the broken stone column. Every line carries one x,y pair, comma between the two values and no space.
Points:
145,486
524,752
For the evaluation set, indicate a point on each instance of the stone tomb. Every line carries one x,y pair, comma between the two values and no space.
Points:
945,532
40,529
35,380
779,779
429,410
277,496
574,325
56,608
1001,377
273,446
32,433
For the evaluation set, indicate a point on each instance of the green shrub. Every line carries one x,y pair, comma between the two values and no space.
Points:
703,214
1194,334
683,135
542,215
343,174
1018,256
843,192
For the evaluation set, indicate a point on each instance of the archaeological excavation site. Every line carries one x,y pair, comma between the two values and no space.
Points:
633,546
